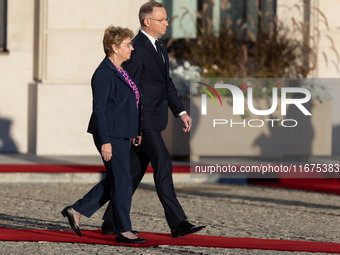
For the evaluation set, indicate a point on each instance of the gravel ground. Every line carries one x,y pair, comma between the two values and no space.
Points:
227,210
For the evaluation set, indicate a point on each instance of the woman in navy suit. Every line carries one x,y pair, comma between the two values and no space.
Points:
115,121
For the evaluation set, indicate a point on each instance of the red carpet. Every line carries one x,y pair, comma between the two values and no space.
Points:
311,184
153,239
70,169
318,185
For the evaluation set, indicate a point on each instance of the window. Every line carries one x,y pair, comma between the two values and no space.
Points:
247,17
244,17
3,25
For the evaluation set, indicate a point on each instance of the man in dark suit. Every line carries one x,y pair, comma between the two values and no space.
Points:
149,67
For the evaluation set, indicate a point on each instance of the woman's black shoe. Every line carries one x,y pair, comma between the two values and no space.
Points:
107,228
122,239
67,212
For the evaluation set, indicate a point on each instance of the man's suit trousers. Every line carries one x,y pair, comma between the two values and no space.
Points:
153,149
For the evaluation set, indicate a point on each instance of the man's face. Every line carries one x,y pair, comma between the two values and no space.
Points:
158,23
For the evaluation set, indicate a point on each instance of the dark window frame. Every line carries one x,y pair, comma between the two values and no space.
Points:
3,26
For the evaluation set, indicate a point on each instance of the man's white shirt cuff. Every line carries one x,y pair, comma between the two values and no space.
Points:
181,113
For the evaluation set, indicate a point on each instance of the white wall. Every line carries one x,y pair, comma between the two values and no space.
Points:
322,12
15,74
329,68
71,49
326,44
45,99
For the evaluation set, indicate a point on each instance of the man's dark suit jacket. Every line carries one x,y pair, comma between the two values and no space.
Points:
158,90
114,110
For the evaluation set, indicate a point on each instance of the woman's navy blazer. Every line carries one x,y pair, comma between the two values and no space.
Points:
114,109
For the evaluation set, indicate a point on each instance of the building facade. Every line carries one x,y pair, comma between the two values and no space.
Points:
50,48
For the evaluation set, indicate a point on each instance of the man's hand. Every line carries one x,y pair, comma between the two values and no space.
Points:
137,141
187,122
107,151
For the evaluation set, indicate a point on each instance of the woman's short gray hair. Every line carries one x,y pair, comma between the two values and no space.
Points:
115,35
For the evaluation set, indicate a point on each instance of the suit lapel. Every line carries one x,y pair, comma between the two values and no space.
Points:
154,53
110,64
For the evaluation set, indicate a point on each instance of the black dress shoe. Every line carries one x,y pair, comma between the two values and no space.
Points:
122,239
184,228
67,212
107,228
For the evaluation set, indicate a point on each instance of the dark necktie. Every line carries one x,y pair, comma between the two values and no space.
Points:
158,46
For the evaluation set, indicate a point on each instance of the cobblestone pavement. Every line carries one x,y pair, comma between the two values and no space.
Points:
227,210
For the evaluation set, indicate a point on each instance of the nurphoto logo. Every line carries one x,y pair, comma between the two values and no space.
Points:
238,100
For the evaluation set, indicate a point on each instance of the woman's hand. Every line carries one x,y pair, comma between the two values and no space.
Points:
107,151
136,141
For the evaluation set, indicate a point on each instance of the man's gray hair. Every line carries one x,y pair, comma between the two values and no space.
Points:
147,9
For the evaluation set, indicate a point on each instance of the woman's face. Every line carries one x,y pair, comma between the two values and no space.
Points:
123,51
